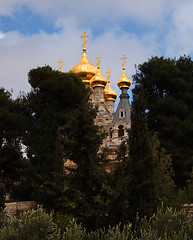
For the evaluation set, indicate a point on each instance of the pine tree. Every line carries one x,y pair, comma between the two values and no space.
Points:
163,173
142,197
53,96
168,88
82,139
11,129
119,190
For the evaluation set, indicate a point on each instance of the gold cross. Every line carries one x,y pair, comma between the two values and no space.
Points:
123,58
83,36
98,60
108,73
60,64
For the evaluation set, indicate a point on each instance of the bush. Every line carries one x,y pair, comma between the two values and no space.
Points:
166,224
74,231
31,225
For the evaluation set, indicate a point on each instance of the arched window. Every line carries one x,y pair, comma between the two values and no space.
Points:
121,113
121,131
110,133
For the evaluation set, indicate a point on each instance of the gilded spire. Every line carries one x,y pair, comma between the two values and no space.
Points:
84,40
98,60
60,68
124,81
84,68
123,58
108,73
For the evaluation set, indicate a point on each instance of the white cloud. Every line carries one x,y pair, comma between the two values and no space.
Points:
179,38
91,11
7,7
2,35
21,53
183,18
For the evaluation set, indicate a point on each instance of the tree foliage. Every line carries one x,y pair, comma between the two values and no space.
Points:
11,130
56,121
141,158
144,177
31,225
37,224
119,188
82,139
60,126
162,173
168,87
53,96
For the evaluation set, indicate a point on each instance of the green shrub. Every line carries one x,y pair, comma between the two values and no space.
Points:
31,225
113,233
62,220
74,231
166,224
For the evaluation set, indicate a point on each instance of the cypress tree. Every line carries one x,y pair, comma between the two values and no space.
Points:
120,180
142,196
82,139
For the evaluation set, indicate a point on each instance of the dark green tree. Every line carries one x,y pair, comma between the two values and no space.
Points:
11,129
82,139
120,189
162,174
142,199
53,96
168,87
61,125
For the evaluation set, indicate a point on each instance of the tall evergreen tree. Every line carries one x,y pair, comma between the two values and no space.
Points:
61,125
53,96
11,128
163,173
120,189
82,139
168,87
142,197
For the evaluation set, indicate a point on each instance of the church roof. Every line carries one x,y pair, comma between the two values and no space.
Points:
124,106
85,69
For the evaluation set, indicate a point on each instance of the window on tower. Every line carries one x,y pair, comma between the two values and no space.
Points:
121,131
122,113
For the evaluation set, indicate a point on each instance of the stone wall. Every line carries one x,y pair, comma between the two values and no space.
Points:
189,209
13,207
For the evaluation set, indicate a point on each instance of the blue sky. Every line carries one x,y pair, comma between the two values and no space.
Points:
39,32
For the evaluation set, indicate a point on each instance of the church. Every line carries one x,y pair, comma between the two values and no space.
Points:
115,123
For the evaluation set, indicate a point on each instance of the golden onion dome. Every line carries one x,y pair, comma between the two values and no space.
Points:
98,80
84,69
109,93
124,81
